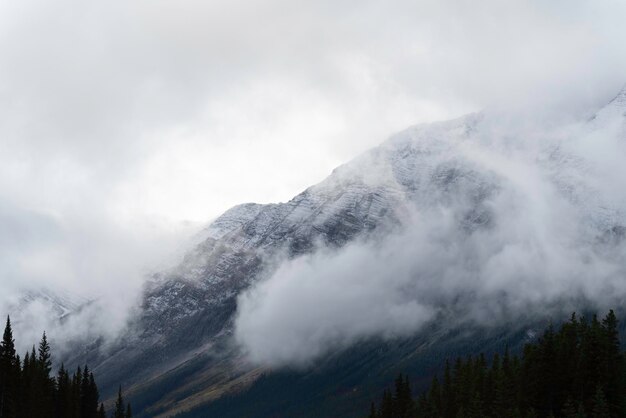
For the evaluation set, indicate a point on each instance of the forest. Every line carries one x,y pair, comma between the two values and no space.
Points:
576,371
28,389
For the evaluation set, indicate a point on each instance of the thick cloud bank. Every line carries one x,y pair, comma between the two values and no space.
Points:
122,122
509,221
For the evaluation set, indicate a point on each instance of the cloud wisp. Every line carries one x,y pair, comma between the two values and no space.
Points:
526,226
122,124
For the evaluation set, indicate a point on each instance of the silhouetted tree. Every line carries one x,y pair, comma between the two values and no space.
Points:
27,389
119,411
577,371
9,374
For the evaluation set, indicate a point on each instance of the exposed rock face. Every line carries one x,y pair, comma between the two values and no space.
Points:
189,309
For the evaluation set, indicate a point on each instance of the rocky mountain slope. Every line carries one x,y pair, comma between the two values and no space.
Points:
178,354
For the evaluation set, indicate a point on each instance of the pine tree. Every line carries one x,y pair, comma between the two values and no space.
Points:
44,358
403,401
7,347
422,406
94,396
531,413
569,410
63,397
42,386
76,385
508,387
447,392
386,406
475,408
119,411
9,374
435,397
614,366
28,370
28,391
600,406
553,377
129,411
373,413
480,370
89,396
101,412
461,413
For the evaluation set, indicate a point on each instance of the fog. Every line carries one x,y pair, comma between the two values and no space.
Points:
545,237
126,127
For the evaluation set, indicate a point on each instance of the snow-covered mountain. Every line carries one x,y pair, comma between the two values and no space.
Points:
190,310
35,310
60,305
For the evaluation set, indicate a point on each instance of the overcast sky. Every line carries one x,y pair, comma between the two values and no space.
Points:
126,125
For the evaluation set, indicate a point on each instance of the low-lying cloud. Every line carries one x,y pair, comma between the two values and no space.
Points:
121,122
546,235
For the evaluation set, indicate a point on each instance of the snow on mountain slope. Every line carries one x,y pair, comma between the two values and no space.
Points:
59,304
366,194
37,310
462,164
189,308
619,100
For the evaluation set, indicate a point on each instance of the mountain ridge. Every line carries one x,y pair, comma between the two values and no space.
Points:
188,313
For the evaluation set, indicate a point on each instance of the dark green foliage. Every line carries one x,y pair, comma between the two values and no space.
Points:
373,413
9,375
122,410
387,406
119,411
403,399
27,389
574,372
88,395
400,404
600,406
101,412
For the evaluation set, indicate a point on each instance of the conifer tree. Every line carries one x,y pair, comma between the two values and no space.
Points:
531,413
101,412
76,385
119,411
63,397
600,406
475,409
461,413
42,385
435,397
28,370
569,410
44,358
373,413
447,392
553,376
614,366
386,408
403,401
27,389
9,374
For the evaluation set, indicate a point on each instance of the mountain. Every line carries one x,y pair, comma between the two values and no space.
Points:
178,353
58,305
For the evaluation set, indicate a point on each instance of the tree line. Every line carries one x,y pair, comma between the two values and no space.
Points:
27,389
576,371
